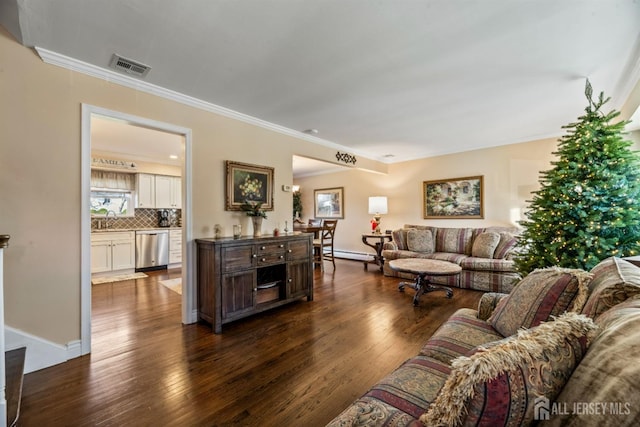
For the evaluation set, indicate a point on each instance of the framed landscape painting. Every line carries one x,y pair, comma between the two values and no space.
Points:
248,183
328,203
456,198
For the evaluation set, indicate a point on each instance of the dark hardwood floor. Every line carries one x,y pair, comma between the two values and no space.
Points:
300,364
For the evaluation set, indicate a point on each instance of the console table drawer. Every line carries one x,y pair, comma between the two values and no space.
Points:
270,248
237,258
269,259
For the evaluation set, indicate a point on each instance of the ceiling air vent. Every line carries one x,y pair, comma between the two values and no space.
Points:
128,66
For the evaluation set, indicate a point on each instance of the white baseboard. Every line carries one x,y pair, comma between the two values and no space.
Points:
356,256
40,352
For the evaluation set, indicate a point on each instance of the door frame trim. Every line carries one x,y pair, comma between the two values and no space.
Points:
188,265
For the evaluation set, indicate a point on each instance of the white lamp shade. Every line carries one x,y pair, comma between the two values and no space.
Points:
378,205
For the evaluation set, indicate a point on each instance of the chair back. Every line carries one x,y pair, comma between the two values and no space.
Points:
328,230
315,222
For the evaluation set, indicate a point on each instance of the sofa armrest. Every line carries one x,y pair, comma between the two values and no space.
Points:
390,246
488,303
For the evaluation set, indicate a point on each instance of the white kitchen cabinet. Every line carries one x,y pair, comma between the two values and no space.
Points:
112,251
163,192
159,191
176,192
168,192
175,247
145,190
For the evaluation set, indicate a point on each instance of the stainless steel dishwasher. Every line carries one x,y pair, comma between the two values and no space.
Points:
152,249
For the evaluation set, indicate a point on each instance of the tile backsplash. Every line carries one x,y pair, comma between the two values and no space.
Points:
144,218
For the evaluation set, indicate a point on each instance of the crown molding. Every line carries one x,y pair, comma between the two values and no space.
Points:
72,64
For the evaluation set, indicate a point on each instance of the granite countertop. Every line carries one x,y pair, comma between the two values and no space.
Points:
113,230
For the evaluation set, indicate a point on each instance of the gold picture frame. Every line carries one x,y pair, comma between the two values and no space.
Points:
328,203
455,198
247,182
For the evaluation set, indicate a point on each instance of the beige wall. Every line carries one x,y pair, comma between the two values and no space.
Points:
510,173
40,147
40,181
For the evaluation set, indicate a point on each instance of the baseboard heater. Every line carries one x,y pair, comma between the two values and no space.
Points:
351,255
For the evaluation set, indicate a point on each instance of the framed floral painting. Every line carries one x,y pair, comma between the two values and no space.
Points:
248,183
456,198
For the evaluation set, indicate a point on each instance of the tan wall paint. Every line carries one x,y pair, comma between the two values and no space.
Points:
510,173
40,181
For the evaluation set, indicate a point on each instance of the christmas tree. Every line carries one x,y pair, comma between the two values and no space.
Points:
588,206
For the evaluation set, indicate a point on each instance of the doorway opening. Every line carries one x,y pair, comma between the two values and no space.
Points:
92,118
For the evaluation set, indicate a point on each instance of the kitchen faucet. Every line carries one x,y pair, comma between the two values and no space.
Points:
106,218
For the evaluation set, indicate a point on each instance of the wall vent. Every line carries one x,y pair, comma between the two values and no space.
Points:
128,66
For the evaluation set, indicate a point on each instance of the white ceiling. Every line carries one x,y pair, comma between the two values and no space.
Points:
129,142
400,78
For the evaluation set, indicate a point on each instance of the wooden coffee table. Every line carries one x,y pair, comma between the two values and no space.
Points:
423,268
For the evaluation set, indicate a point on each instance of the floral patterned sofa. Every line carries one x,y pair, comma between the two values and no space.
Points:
485,254
562,348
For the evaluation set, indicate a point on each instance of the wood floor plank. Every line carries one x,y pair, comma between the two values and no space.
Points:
300,364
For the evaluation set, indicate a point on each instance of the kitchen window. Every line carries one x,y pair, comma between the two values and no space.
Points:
112,192
119,202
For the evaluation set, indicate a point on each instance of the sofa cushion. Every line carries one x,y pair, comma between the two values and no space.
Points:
454,240
391,255
420,241
614,280
400,397
498,384
455,258
485,245
399,237
488,302
462,332
486,264
541,294
608,373
505,246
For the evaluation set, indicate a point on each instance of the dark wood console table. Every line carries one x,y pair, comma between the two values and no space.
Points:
377,246
240,277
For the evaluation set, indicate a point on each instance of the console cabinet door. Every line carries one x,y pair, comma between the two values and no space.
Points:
297,280
238,258
238,292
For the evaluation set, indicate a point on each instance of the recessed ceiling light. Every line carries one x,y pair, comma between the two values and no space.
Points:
388,156
173,157
311,131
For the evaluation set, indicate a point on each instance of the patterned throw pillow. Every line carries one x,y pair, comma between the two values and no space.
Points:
399,237
454,240
420,241
609,372
541,294
485,245
614,281
498,383
505,246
